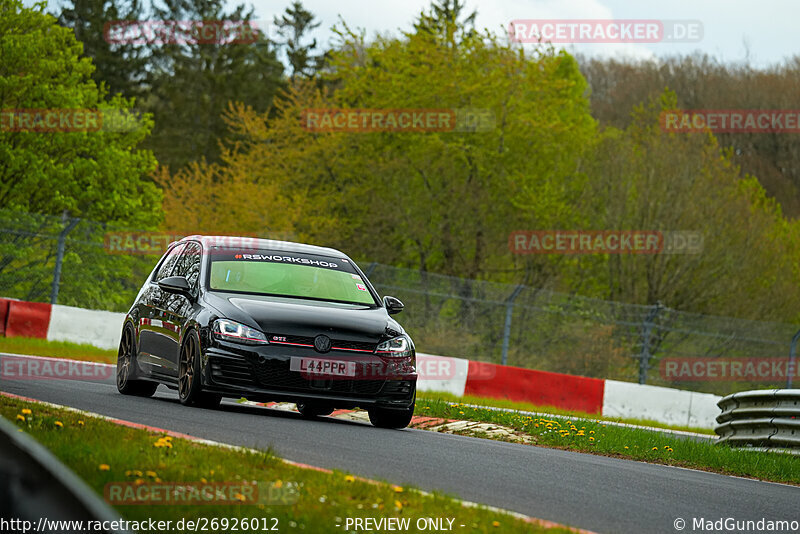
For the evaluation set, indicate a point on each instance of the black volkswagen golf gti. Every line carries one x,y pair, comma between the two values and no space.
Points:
269,321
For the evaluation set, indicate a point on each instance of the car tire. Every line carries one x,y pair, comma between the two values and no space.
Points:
190,390
125,366
311,410
388,418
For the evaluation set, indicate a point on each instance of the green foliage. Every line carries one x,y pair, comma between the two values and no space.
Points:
644,178
193,84
121,67
293,25
99,175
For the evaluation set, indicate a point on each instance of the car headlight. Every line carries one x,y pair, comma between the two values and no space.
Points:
238,333
398,347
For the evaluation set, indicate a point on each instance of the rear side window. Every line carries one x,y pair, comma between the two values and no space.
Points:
188,264
168,263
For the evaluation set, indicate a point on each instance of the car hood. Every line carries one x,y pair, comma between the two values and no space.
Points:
297,317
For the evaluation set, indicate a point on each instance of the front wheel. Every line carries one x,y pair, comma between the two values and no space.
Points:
190,391
125,368
386,418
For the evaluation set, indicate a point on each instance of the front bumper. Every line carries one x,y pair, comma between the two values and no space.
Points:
262,373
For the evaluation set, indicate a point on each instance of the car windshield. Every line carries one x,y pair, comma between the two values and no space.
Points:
288,275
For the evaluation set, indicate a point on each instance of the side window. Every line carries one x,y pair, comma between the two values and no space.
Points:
188,264
169,262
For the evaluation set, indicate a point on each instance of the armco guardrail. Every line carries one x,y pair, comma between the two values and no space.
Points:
34,485
768,418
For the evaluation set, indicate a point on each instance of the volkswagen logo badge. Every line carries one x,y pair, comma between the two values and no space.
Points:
322,343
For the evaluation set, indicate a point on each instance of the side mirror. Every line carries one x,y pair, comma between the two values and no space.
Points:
393,305
177,285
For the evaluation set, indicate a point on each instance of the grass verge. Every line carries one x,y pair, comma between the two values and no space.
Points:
630,443
56,349
528,407
101,452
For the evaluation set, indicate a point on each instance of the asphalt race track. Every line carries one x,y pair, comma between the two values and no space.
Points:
592,492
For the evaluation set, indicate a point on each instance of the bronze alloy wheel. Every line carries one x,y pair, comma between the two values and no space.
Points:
190,389
186,367
125,368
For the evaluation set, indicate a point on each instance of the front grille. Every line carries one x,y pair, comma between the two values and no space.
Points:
274,374
353,345
335,343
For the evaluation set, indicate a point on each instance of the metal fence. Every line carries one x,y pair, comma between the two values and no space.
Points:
68,261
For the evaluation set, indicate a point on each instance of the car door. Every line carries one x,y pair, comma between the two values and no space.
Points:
153,343
178,308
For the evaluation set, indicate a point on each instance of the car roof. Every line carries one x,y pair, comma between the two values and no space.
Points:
258,243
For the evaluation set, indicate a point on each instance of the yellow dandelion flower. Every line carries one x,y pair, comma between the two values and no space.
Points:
158,479
151,474
239,497
104,467
669,450
278,484
397,489
666,446
495,523
128,473
139,481
20,417
655,448
398,504
203,480
26,411
349,478
626,446
138,473
591,432
59,424
81,423
591,439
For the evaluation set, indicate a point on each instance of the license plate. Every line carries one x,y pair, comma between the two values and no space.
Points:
318,366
